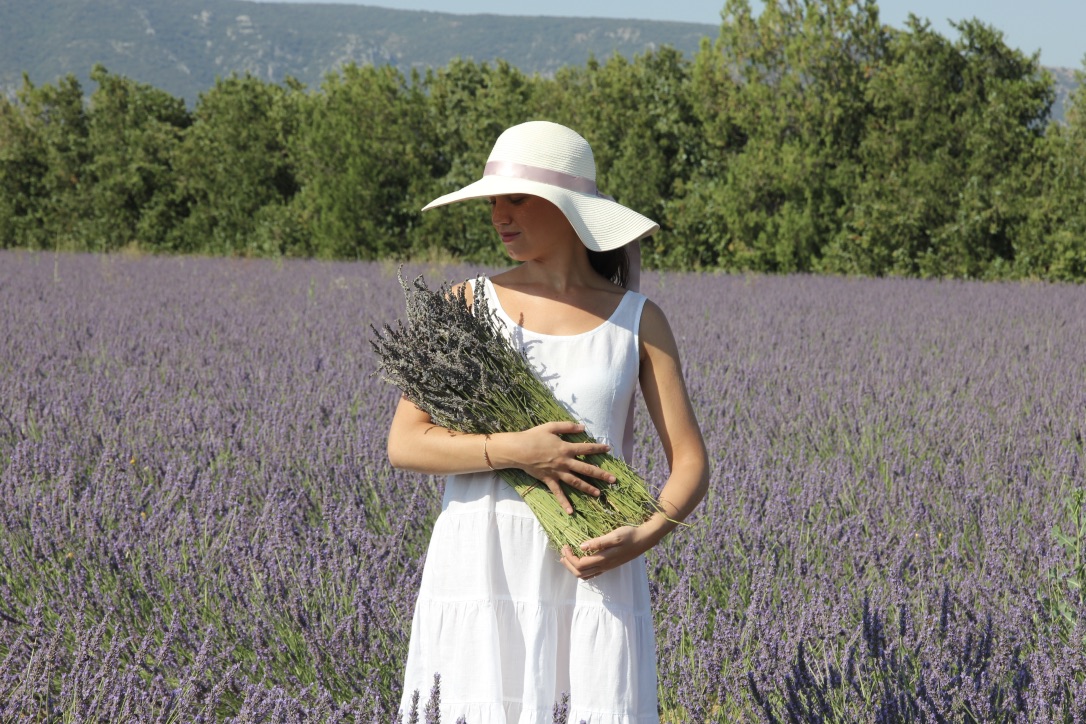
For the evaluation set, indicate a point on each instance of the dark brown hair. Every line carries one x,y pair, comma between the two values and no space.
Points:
612,265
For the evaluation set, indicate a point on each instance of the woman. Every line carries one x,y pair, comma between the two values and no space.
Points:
508,624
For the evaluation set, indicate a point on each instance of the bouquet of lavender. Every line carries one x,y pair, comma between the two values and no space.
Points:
451,360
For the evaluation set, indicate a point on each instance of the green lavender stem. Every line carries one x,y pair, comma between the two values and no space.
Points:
451,360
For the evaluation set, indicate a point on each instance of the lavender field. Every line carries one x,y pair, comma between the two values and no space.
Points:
198,521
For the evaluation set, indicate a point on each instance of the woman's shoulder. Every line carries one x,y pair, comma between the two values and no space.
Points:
654,328
468,288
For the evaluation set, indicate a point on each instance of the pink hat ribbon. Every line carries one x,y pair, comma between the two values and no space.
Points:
547,176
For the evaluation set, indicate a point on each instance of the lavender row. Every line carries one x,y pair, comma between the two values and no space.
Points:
198,522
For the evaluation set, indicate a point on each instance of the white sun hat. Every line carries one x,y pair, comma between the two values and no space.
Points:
540,158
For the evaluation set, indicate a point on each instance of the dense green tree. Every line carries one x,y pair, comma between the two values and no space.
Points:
43,157
356,155
782,102
1009,102
234,173
22,165
1053,244
907,189
128,191
949,156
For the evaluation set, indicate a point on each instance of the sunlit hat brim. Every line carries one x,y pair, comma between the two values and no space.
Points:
546,159
601,224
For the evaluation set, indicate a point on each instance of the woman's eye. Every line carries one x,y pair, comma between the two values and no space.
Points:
514,200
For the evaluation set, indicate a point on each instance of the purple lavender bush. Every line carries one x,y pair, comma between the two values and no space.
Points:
198,521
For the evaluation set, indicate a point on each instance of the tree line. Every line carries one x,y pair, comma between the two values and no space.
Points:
808,137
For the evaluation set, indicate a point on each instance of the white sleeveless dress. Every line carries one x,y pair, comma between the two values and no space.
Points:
509,629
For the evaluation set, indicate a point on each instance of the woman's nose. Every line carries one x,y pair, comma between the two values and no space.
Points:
499,211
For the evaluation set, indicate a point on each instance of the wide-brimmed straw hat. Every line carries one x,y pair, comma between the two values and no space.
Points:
540,158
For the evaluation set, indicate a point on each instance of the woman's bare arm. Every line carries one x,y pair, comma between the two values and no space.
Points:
668,403
416,443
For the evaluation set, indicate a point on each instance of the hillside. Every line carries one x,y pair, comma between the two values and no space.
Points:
182,45
1065,85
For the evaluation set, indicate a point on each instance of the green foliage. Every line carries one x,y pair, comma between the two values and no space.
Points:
782,100
1067,580
43,155
357,155
948,154
1054,240
907,188
235,177
133,131
807,138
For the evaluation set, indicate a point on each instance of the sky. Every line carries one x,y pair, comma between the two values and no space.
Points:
1057,28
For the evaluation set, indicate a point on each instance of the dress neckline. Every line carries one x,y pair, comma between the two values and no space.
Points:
496,305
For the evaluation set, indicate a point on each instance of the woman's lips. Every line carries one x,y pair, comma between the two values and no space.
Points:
508,236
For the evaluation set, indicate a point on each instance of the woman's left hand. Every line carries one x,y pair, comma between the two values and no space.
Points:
608,551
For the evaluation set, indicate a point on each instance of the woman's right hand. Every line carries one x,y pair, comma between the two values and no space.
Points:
542,453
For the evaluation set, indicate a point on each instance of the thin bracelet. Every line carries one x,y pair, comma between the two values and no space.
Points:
486,439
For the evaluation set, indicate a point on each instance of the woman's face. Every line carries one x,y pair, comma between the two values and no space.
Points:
529,225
